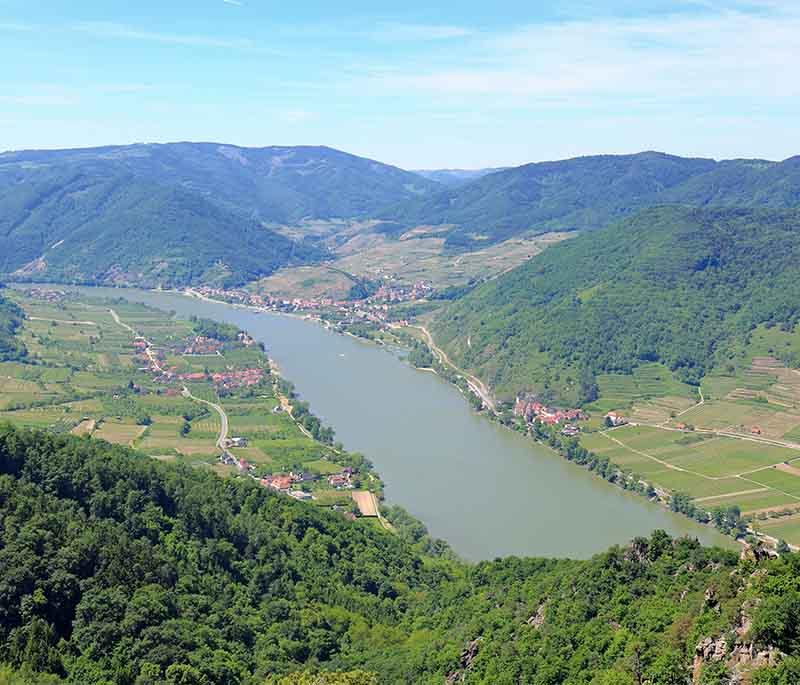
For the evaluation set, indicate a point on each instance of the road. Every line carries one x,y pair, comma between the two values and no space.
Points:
475,383
222,439
148,350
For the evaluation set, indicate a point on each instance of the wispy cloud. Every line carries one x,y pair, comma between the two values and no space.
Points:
40,100
744,52
419,32
103,29
232,2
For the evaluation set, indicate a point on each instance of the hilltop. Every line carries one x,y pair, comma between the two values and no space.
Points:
178,213
587,193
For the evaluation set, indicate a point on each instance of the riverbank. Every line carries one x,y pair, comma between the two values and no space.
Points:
487,490
474,389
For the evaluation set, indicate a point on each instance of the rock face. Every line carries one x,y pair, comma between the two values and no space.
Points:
537,620
465,662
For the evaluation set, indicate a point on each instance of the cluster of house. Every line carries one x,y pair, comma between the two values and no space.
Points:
284,483
200,344
343,480
229,380
533,410
46,295
374,309
402,293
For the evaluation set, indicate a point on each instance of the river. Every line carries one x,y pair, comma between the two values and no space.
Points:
487,490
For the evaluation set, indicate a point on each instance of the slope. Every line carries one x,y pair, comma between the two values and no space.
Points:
11,317
671,284
590,192
117,568
280,185
65,225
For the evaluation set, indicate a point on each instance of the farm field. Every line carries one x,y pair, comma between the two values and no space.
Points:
417,255
85,375
716,471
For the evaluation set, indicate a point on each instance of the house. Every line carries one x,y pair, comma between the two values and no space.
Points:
236,442
339,481
300,495
570,430
755,430
615,419
281,483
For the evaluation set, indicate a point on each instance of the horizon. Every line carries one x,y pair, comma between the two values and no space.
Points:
461,87
493,167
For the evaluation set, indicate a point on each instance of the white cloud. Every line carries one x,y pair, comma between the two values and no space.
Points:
419,32
750,53
232,2
104,29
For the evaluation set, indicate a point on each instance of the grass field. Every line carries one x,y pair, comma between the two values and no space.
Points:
704,466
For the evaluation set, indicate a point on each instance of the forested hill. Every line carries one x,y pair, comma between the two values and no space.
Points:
11,317
62,225
115,568
273,184
591,192
178,213
670,284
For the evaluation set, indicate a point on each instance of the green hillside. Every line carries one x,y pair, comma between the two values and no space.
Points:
273,184
11,317
63,225
591,192
115,568
671,284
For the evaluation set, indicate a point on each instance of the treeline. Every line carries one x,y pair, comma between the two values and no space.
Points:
218,330
11,318
115,568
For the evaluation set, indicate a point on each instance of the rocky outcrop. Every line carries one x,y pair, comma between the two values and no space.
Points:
465,663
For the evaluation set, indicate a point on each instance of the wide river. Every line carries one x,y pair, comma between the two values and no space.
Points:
486,490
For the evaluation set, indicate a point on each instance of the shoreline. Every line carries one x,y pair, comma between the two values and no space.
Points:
491,414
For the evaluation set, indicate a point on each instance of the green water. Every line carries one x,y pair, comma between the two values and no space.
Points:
486,490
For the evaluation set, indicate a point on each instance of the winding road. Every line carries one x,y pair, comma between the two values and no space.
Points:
475,383
222,439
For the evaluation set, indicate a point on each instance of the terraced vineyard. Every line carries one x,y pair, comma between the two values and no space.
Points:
84,375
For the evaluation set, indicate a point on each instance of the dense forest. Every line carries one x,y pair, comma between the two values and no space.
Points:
671,284
11,317
591,192
277,184
65,226
115,568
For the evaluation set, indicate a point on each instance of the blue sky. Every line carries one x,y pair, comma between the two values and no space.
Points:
458,84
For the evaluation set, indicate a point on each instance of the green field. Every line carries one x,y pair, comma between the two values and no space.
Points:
85,373
702,465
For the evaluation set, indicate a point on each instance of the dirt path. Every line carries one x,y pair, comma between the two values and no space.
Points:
66,321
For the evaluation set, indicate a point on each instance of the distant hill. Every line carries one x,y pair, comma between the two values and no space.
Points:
590,192
671,284
66,225
178,213
456,177
273,184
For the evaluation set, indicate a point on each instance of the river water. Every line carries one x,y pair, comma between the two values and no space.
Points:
486,490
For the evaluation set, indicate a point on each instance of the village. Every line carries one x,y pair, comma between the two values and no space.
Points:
296,484
373,309
532,410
